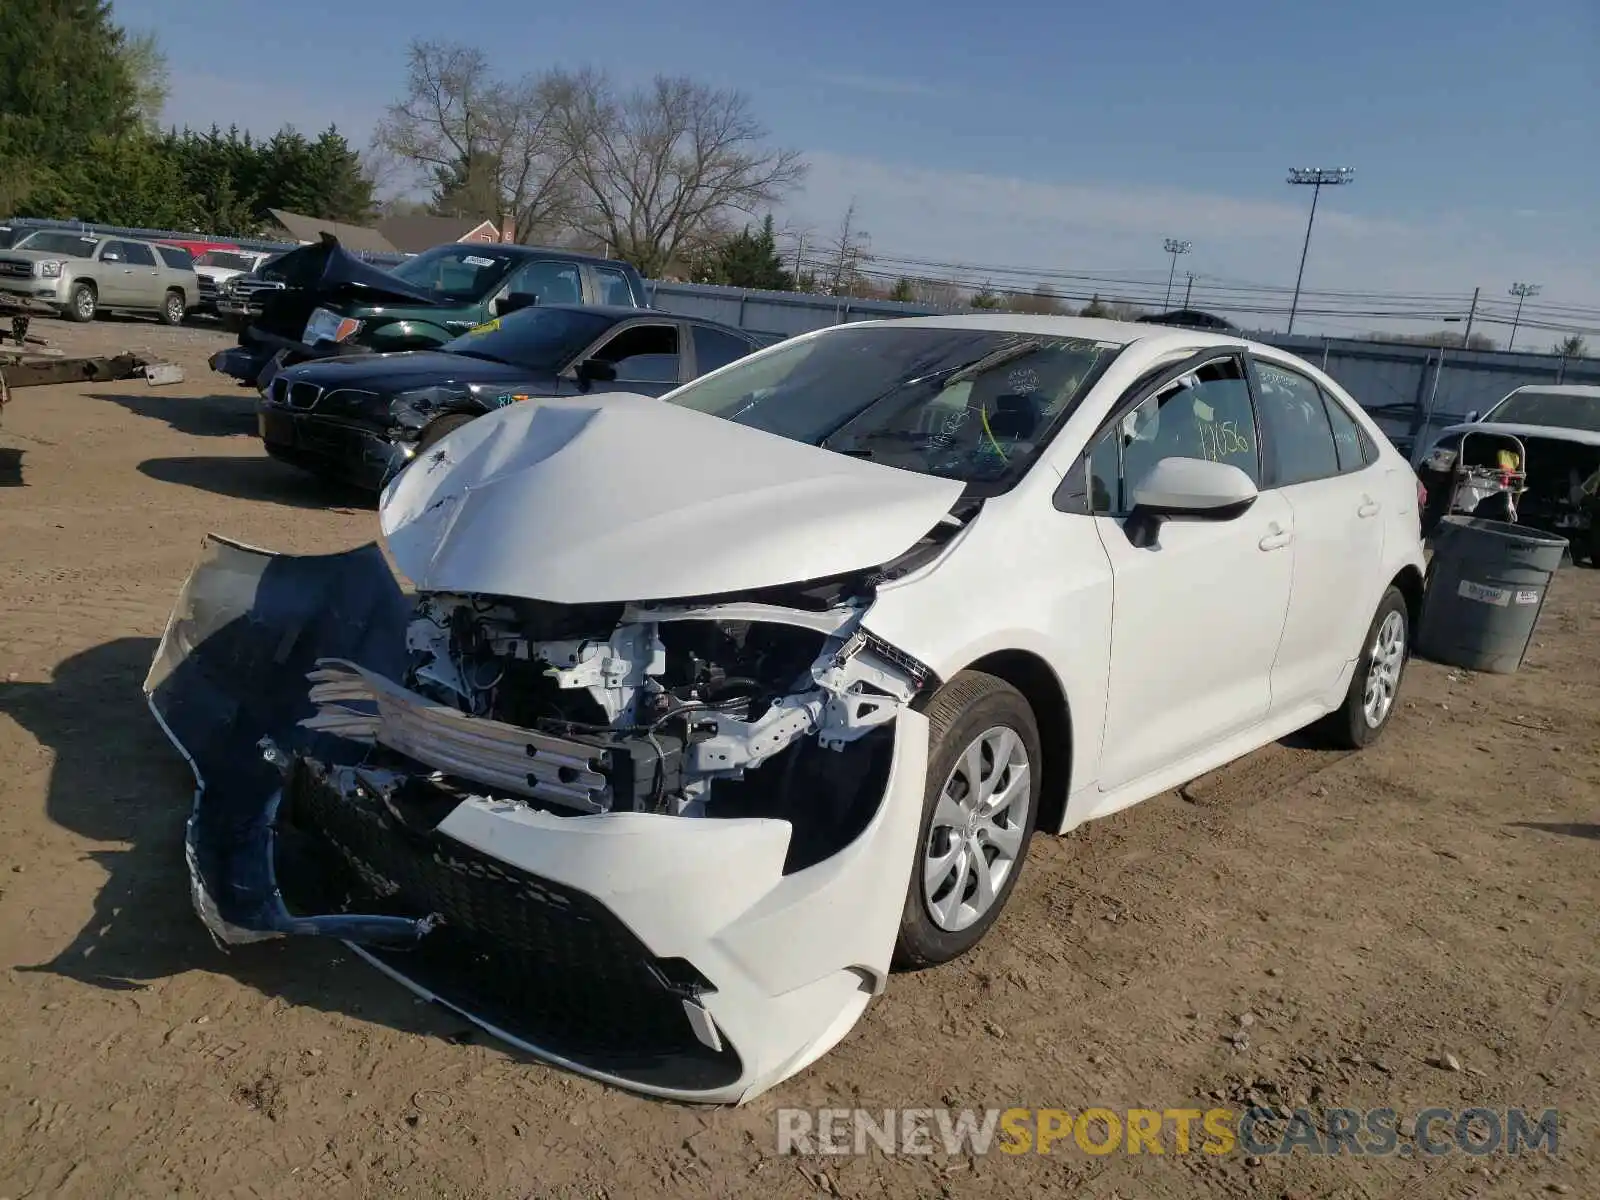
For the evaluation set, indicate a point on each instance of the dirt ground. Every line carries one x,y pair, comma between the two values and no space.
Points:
1365,921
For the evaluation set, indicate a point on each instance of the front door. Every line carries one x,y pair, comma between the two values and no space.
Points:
646,356
1196,617
114,281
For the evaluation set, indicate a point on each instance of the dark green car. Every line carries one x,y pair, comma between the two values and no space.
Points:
320,301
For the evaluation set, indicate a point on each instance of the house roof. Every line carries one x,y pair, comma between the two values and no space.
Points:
351,237
414,234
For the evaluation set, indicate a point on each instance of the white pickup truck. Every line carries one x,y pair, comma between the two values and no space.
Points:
216,267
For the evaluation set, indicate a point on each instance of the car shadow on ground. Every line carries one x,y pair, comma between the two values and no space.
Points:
245,478
1565,828
118,779
197,416
10,467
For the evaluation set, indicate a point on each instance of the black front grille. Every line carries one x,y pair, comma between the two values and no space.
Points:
19,270
303,395
545,963
208,287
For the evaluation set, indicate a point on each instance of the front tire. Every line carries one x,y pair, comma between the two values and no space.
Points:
979,811
440,428
82,302
1375,688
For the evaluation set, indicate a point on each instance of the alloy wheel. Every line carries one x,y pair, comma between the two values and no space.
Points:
977,829
1385,659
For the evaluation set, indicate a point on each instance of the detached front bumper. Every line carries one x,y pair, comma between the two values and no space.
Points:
668,955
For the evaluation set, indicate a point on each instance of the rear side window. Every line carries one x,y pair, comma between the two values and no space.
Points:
176,257
615,289
552,282
1294,425
713,349
1348,443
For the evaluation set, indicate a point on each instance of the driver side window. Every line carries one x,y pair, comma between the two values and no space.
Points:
1204,414
643,354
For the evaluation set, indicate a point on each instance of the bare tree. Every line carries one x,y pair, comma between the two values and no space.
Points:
846,252
660,168
492,149
1573,346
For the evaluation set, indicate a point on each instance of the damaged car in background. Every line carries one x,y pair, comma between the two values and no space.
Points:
698,714
321,301
1532,459
361,419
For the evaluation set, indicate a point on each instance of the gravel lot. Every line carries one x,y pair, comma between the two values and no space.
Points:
1363,917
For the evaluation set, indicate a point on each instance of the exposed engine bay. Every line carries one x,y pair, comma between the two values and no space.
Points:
623,708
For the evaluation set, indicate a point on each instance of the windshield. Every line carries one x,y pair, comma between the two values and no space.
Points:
73,245
456,271
226,259
1562,410
970,404
542,339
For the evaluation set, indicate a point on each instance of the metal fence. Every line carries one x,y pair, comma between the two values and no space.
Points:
1410,389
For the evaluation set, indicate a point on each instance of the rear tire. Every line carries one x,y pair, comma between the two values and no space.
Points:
172,308
441,428
981,799
1374,691
82,302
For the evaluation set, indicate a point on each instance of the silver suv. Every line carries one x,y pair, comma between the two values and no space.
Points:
79,274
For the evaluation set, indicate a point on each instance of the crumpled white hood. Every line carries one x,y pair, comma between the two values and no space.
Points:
620,497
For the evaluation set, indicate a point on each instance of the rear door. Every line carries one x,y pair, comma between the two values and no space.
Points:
1313,455
1196,617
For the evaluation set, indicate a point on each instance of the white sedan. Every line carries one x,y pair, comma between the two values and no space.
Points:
705,712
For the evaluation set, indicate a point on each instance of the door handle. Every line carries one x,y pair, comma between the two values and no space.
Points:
1369,507
1276,538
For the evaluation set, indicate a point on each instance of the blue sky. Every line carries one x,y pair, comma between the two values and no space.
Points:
1062,136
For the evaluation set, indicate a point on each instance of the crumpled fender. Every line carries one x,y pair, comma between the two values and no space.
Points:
231,671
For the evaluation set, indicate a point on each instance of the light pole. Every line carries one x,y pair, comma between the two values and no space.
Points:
1174,247
1316,178
1521,291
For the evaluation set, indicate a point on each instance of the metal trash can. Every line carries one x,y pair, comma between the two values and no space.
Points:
1486,587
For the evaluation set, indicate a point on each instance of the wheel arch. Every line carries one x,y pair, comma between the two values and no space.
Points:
1410,582
1037,681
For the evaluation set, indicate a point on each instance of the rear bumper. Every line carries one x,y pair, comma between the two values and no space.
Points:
668,955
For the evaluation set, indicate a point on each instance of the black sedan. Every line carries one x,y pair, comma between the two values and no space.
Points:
360,418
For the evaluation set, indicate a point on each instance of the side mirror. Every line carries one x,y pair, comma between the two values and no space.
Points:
512,301
113,256
1195,487
597,370
1188,487
1473,416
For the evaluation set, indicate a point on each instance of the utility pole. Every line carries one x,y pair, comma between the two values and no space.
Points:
1188,289
1466,337
1316,178
1174,248
1521,291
